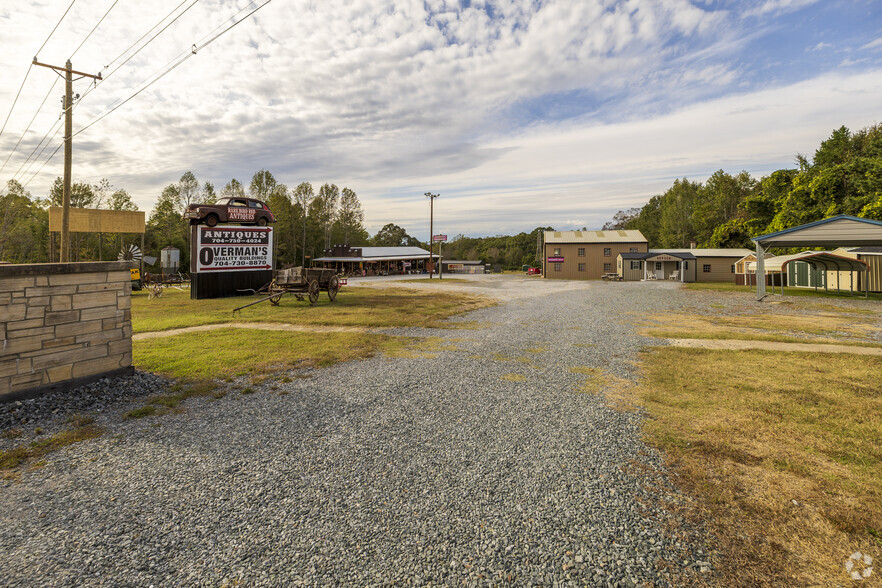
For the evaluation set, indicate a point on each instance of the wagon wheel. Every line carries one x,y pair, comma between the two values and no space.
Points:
313,291
274,299
333,288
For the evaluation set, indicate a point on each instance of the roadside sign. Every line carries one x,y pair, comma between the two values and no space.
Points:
437,238
234,248
555,260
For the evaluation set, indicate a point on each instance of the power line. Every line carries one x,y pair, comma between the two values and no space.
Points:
57,127
172,66
56,26
93,29
55,81
30,66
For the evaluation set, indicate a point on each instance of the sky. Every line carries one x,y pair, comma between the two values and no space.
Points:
518,113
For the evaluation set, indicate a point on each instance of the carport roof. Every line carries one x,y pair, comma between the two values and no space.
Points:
818,259
836,231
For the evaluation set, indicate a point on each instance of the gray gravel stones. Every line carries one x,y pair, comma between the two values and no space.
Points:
408,471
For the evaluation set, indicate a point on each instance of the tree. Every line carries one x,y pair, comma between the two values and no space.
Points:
391,235
23,226
328,197
262,185
622,220
81,195
303,197
208,196
233,189
350,216
188,190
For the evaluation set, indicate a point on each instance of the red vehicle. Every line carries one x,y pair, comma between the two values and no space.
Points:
246,211
534,271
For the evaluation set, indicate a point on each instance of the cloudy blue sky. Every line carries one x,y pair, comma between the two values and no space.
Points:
519,113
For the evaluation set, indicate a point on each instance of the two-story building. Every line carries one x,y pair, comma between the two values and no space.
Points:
587,255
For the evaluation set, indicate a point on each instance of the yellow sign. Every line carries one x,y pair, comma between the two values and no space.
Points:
136,274
96,220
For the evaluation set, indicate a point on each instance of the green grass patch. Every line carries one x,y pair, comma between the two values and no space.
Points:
36,450
237,352
434,281
354,307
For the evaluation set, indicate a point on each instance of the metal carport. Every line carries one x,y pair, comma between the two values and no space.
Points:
833,232
822,260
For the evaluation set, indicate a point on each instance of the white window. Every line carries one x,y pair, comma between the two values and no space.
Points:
635,265
581,267
607,252
658,265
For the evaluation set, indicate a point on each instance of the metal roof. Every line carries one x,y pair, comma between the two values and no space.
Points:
684,254
594,237
836,231
707,252
867,250
399,252
372,259
823,260
464,261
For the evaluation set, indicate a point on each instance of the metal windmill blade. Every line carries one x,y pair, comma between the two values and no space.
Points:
130,253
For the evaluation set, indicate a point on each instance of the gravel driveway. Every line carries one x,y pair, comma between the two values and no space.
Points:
406,471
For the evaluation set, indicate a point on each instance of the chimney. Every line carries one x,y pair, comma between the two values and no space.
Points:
692,244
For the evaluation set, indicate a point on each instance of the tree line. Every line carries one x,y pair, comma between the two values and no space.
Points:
843,177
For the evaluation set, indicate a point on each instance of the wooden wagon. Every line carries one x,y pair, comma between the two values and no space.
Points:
302,283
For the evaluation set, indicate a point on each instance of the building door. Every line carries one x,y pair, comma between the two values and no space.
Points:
659,270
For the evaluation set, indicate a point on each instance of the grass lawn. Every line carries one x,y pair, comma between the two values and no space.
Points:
235,352
356,307
729,287
750,432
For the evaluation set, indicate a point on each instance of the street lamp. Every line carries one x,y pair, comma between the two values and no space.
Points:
431,198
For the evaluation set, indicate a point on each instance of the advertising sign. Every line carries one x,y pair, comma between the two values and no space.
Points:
237,213
555,260
454,267
437,238
234,248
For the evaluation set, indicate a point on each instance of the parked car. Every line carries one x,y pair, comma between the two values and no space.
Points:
246,211
534,271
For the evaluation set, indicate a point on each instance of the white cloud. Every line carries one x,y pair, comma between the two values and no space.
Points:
877,44
777,7
394,99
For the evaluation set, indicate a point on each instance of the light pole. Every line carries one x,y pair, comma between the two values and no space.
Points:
431,198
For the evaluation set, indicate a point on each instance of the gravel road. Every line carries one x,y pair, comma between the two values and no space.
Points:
484,465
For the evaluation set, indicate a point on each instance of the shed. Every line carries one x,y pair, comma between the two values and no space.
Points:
833,232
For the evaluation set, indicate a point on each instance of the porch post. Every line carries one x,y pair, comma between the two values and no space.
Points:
760,272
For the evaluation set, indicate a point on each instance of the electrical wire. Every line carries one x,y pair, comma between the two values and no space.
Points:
171,66
56,26
55,81
30,66
93,29
57,127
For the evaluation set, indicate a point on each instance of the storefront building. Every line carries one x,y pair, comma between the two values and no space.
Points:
376,261
587,255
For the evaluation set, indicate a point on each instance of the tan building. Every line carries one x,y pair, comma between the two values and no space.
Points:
682,265
845,280
588,255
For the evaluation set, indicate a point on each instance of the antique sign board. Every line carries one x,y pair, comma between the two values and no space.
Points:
229,260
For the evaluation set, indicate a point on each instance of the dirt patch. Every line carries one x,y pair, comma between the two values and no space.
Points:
739,344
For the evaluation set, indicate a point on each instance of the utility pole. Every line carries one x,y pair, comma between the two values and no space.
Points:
68,148
431,198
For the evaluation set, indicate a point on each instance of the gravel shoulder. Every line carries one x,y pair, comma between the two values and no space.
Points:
483,465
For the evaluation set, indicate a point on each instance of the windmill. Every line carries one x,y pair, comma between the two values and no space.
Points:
130,253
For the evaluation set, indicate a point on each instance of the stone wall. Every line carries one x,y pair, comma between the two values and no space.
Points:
63,324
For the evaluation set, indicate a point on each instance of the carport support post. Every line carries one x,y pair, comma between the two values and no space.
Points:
760,272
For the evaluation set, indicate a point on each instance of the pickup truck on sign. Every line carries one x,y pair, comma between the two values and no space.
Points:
246,211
